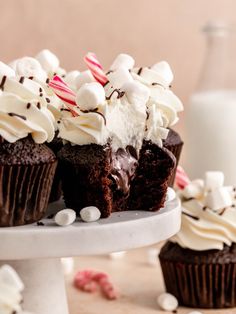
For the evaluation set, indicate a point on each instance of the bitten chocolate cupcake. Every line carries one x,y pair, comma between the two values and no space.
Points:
114,128
27,166
199,263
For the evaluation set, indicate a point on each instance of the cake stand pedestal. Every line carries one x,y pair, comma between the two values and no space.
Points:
35,251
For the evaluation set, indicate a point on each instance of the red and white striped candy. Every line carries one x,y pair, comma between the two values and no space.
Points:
96,68
87,280
62,90
181,178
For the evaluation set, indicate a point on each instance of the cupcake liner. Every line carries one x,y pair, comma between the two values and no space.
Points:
24,192
176,151
201,284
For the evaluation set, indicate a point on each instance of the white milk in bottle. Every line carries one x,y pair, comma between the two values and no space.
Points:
210,116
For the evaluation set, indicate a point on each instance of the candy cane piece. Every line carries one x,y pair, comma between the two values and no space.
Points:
62,90
181,178
96,68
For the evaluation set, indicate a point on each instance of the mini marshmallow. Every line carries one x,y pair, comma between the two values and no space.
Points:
65,217
28,66
136,93
152,76
6,70
67,265
167,302
123,60
170,195
219,198
9,276
117,255
84,77
152,256
71,77
90,95
48,60
213,179
164,70
194,189
119,77
90,214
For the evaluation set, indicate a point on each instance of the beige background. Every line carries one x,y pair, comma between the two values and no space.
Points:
150,30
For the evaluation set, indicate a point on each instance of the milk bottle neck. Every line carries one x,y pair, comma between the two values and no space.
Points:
219,66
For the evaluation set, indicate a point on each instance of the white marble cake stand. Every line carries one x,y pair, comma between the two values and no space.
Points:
35,251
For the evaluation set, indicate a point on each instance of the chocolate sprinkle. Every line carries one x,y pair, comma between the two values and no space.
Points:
40,89
22,78
39,105
41,94
140,71
204,208
47,80
40,223
191,216
120,94
47,100
12,114
28,105
223,211
31,77
3,82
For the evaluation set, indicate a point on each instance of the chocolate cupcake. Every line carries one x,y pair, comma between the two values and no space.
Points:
199,263
114,156
173,143
56,192
27,166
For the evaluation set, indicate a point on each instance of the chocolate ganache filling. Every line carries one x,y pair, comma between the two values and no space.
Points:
123,165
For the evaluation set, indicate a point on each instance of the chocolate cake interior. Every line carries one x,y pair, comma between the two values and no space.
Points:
95,175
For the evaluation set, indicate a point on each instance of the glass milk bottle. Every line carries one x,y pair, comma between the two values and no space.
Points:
210,134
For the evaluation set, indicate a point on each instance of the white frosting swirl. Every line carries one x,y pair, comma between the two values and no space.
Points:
23,111
11,287
202,227
86,128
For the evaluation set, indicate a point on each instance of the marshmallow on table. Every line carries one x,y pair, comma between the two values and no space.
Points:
119,77
152,256
167,302
164,70
84,77
90,214
194,189
136,93
67,265
123,60
6,70
213,179
218,198
9,276
90,95
117,255
65,217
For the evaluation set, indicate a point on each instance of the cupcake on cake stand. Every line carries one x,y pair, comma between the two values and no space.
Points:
35,250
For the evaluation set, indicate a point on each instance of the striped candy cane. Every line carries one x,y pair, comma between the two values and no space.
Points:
96,68
181,178
62,90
